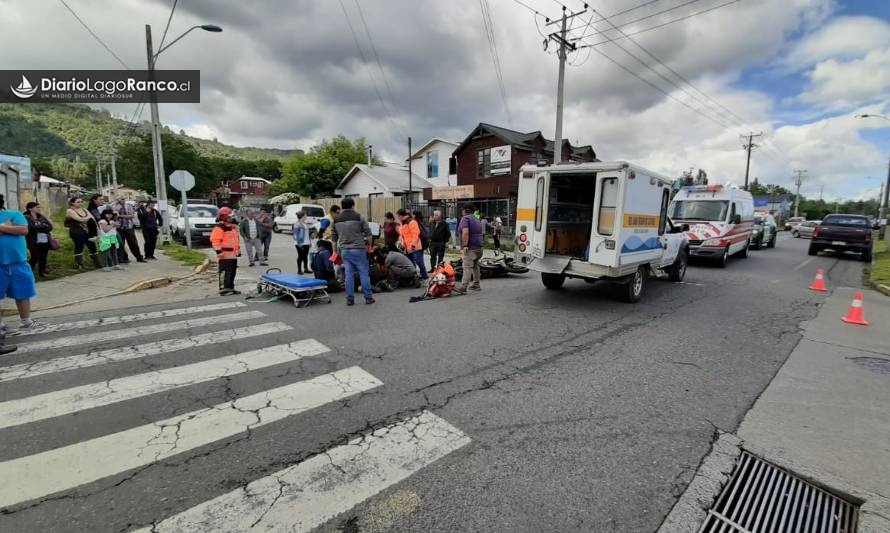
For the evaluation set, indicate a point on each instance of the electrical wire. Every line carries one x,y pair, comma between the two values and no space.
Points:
647,17
167,27
100,41
720,119
495,57
392,100
686,17
361,53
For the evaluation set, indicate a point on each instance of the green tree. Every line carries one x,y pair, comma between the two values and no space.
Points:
136,168
317,173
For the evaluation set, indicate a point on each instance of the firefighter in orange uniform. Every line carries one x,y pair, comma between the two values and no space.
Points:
225,242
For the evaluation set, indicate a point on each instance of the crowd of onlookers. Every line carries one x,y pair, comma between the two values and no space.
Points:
343,254
105,231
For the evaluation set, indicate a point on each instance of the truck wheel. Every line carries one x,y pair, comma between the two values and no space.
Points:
632,292
275,228
724,259
553,281
677,271
812,250
866,256
744,252
795,234
772,242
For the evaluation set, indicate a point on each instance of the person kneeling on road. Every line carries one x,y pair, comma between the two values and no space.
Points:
323,267
400,270
225,242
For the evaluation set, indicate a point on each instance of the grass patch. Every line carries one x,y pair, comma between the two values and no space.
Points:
184,255
880,266
60,263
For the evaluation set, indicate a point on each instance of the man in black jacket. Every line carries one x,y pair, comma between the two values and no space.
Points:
440,234
150,219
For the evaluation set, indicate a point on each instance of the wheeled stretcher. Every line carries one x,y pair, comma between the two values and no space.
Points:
303,291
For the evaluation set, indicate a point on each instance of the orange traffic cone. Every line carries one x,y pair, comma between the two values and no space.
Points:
819,282
856,314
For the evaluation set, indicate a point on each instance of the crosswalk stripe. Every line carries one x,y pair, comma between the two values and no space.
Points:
82,324
306,495
63,402
113,355
65,468
103,336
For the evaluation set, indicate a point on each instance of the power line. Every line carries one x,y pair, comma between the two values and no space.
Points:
652,15
100,41
680,19
365,62
495,57
739,120
669,81
392,100
169,19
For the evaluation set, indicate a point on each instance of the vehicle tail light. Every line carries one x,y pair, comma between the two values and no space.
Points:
867,236
817,231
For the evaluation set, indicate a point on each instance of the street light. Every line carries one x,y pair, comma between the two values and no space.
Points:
156,147
885,201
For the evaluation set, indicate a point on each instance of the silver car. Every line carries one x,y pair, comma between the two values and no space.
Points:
805,228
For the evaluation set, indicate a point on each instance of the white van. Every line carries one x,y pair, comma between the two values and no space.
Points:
720,220
286,220
598,221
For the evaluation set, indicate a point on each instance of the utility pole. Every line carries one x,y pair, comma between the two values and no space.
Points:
410,184
564,46
798,180
113,166
749,146
157,148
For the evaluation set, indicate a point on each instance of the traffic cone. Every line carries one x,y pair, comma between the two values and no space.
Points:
856,314
819,282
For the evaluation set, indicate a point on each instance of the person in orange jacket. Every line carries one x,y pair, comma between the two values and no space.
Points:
227,245
409,233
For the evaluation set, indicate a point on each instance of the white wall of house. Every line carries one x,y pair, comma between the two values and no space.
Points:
363,185
443,151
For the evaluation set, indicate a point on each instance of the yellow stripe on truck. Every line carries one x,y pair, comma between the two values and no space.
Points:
526,214
640,221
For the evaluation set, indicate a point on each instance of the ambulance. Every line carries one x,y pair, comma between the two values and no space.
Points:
598,221
720,219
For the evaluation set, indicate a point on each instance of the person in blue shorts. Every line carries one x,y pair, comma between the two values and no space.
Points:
16,277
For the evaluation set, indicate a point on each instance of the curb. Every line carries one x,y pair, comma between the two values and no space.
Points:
883,289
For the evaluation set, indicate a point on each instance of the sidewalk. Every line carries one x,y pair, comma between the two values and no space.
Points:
826,414
824,417
66,292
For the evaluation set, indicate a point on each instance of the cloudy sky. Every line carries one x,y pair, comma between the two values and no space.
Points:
288,73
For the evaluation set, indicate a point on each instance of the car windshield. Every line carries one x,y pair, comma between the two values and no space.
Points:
203,211
699,210
841,220
316,212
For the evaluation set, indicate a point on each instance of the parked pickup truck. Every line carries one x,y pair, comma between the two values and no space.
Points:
843,233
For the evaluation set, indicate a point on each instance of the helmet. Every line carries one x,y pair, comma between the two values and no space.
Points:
225,213
440,279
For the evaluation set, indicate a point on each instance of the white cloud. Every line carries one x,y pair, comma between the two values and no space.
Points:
839,84
844,37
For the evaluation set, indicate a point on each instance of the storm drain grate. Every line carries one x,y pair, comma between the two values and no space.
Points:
761,498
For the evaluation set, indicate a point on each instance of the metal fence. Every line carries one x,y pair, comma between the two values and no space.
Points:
505,208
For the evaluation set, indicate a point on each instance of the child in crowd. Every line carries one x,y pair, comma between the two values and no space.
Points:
313,245
108,241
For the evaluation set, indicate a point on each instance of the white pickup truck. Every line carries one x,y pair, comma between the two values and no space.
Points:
202,218
598,221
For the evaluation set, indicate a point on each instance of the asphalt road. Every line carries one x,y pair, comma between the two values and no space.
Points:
513,409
